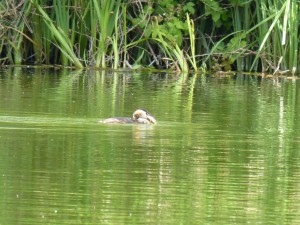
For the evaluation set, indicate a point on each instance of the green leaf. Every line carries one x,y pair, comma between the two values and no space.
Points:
189,7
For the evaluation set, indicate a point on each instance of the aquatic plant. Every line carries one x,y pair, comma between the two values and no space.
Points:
191,28
278,45
191,35
13,20
60,32
104,17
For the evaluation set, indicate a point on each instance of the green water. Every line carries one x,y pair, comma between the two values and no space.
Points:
224,151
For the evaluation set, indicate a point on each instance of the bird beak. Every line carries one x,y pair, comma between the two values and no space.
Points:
151,119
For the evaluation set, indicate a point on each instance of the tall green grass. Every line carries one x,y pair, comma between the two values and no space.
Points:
105,16
252,35
14,34
60,32
278,37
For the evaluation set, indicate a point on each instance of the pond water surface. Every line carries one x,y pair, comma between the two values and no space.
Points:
224,151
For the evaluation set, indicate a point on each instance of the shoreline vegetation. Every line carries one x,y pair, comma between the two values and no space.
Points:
197,35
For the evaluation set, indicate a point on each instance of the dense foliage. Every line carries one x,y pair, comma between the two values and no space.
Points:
220,35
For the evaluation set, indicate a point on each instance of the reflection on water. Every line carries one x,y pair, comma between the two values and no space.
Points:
224,151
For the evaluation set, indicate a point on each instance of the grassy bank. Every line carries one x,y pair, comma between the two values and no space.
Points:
250,35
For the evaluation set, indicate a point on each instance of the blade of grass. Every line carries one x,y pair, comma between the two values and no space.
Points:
106,14
63,41
191,29
267,35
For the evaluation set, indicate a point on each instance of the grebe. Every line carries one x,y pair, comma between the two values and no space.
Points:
140,116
